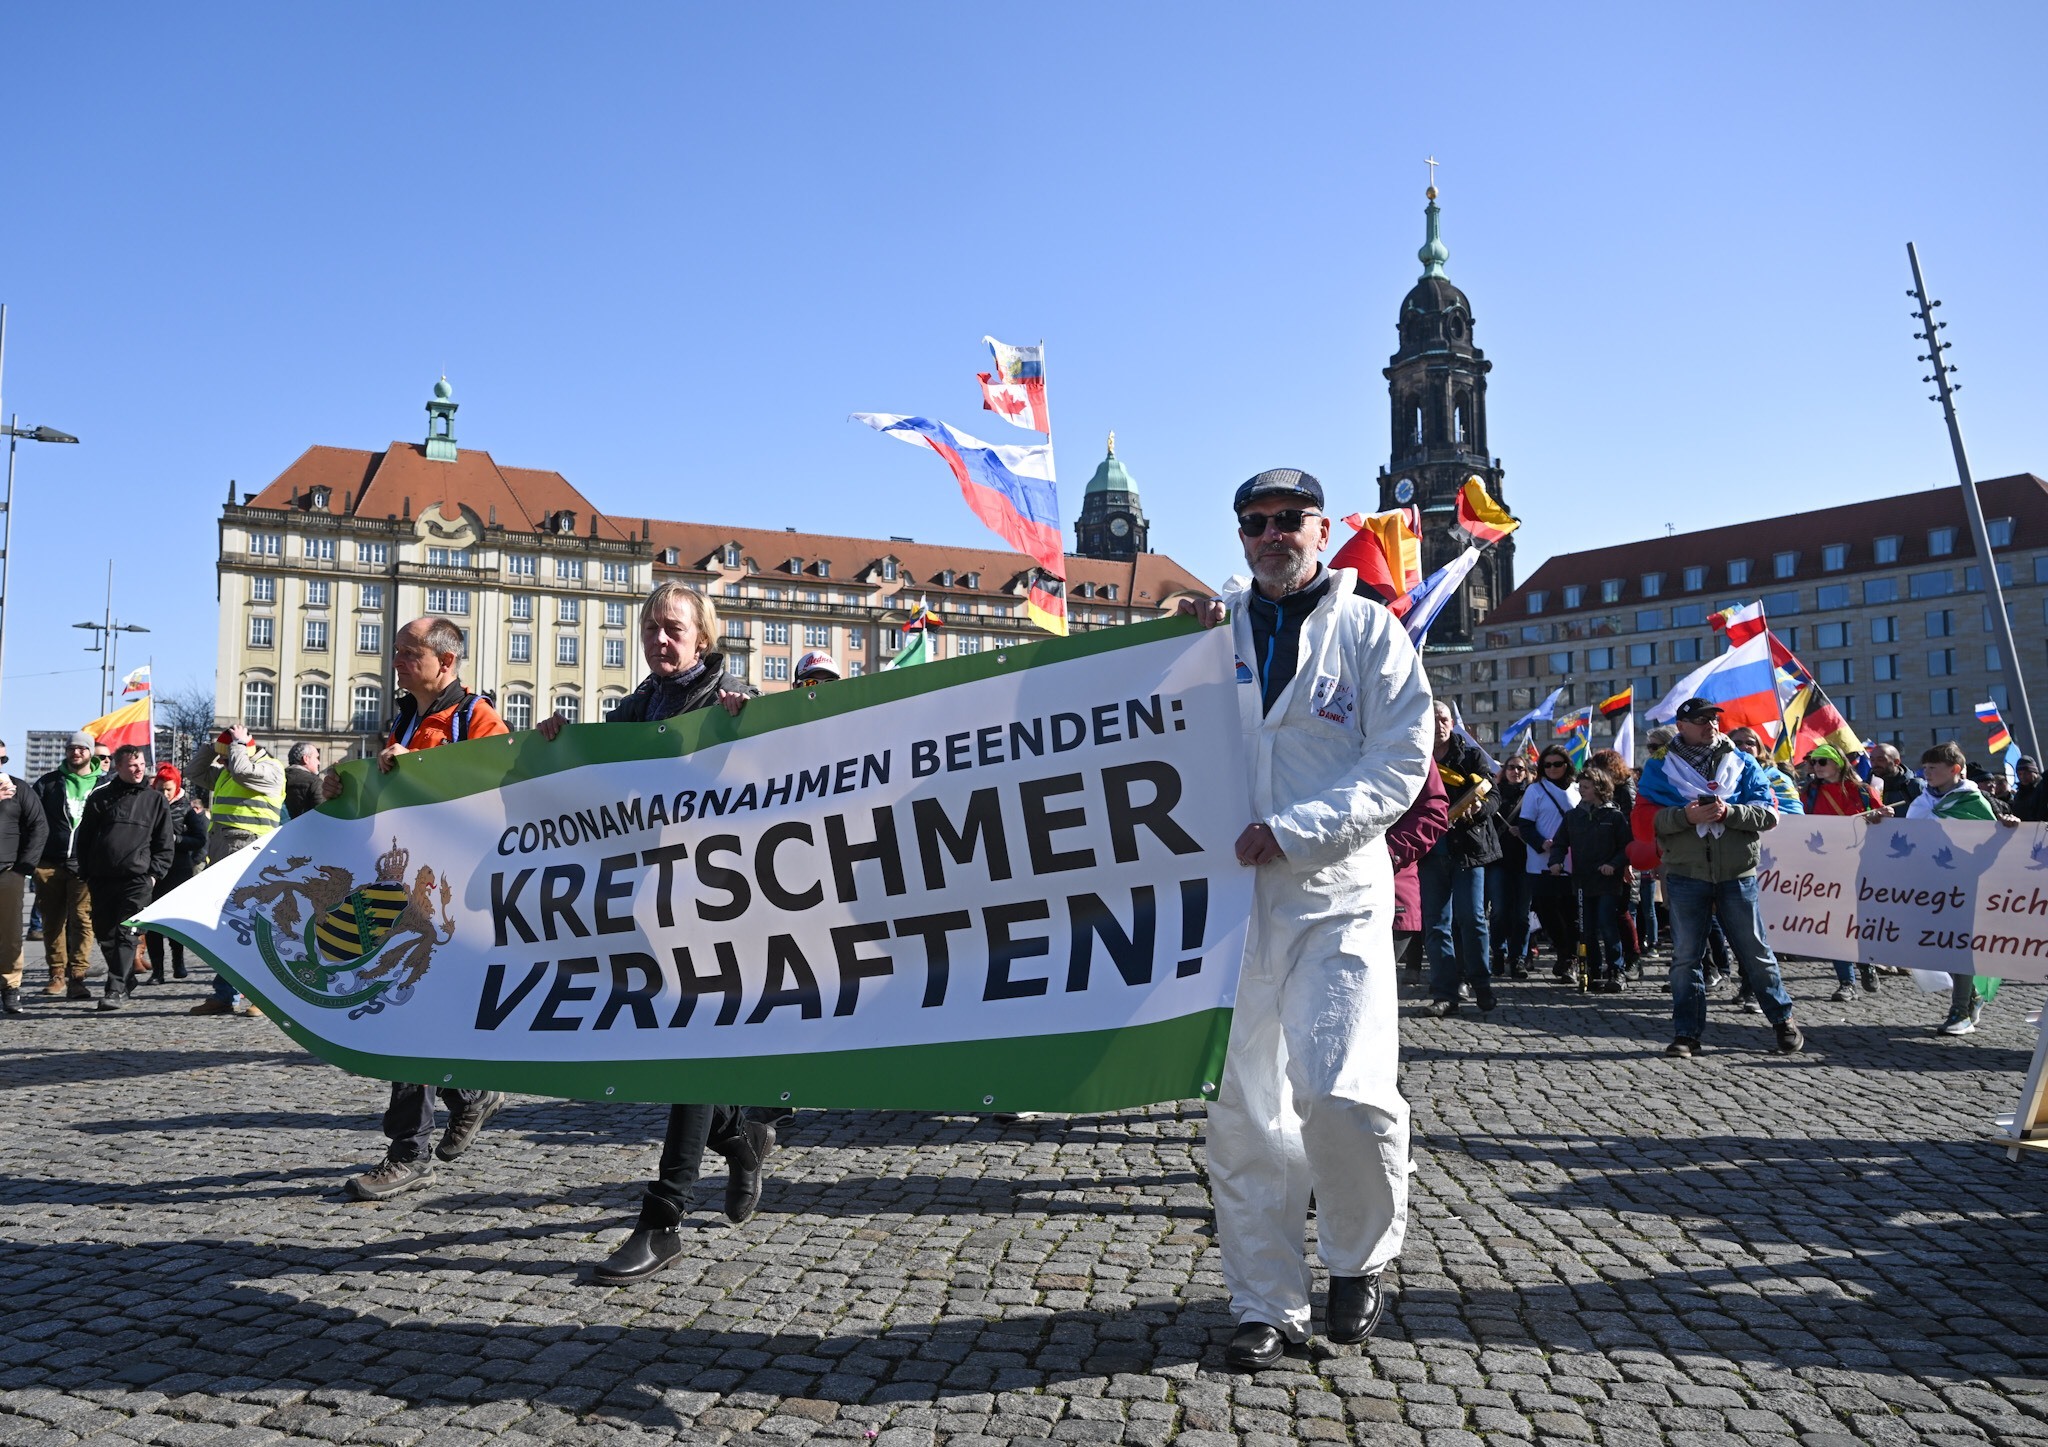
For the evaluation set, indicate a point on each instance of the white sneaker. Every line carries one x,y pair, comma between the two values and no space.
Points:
1961,1024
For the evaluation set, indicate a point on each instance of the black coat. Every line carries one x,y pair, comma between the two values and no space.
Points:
126,833
24,830
188,832
57,844
1594,835
659,698
301,791
1474,840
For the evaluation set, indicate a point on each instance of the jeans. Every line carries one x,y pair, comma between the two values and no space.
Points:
1454,918
1600,926
1646,913
1507,891
1695,904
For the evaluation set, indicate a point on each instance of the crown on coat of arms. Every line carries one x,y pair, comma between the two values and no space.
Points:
391,865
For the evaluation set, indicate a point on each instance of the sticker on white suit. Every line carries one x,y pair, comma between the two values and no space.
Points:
1333,700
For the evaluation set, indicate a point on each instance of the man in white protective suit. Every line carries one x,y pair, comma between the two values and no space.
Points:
1337,711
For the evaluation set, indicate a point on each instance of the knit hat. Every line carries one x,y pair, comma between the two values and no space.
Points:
82,740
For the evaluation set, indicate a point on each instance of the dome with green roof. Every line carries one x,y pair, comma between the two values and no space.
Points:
1111,475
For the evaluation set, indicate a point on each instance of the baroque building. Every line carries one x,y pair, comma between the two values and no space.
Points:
1112,522
1436,388
321,567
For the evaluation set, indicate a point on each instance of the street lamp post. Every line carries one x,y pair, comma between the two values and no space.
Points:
106,642
14,432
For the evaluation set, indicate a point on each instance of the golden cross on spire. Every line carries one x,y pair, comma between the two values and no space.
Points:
1432,163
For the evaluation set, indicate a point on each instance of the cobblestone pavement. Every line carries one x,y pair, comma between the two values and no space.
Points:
1607,1247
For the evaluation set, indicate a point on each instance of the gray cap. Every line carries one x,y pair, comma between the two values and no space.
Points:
1290,480
82,740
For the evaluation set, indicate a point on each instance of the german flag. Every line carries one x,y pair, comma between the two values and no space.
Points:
1621,702
1478,514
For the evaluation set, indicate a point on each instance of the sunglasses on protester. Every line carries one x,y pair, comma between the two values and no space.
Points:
1287,520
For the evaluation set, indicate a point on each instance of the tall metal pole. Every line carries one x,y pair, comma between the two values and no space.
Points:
107,645
2015,673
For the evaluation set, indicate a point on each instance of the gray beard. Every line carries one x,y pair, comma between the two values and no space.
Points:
1293,579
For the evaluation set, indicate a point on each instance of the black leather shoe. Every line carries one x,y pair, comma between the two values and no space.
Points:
745,1156
1255,1347
1354,1308
657,1240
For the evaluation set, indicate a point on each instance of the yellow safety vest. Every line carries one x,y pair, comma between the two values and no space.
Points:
249,811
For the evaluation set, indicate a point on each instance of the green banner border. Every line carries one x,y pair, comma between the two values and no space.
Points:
1110,1069
480,766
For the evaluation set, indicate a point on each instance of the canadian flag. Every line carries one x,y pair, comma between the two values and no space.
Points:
1741,623
1020,403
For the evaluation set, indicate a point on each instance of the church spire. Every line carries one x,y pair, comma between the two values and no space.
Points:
1434,253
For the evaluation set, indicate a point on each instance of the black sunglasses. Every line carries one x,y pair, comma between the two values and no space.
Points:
1557,764
1288,520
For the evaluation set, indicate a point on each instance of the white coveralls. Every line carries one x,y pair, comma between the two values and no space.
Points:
1309,1100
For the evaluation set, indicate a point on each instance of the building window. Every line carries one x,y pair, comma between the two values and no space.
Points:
1846,707
366,709
1689,615
377,553
775,633
1885,551
568,570
1599,659
1561,662
452,602
1653,585
266,545
1885,668
1835,671
1880,590
518,711
522,565
1790,637
565,648
1834,635
519,647
1941,701
1695,578
1834,557
1884,630
370,595
259,704
1574,595
1991,659
522,607
1940,542
856,668
1642,655
888,570
1649,620
313,708
1738,572
320,550
967,643
1610,590
1685,650
775,667
262,633
817,635
737,666
1973,577
317,592
773,595
732,555
1941,662
370,638
892,639
568,610
1831,597
615,653
1536,600
1784,565
569,706
1889,705
263,590
856,638
2001,532
448,557
1777,604
1941,623
615,615
1999,698
609,704
316,635
738,628
616,572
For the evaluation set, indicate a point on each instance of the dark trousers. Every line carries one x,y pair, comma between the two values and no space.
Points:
154,943
690,1129
1600,927
1507,897
115,901
1557,910
409,1119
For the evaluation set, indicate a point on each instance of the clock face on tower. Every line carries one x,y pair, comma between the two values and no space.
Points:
1119,525
1404,491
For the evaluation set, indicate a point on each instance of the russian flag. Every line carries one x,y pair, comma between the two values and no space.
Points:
1010,488
1743,681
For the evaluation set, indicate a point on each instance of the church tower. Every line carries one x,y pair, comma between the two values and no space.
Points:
1112,524
1436,383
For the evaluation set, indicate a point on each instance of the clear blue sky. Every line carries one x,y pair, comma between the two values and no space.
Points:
667,249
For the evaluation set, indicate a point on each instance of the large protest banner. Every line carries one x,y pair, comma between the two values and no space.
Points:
1966,897
1001,882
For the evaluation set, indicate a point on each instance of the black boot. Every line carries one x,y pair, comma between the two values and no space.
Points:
657,1240
745,1155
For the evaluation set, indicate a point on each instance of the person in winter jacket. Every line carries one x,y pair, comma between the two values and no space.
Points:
1507,880
125,846
1713,806
1454,875
23,832
246,785
1550,796
1336,712
1407,842
1593,843
60,889
1834,791
1949,794
188,833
